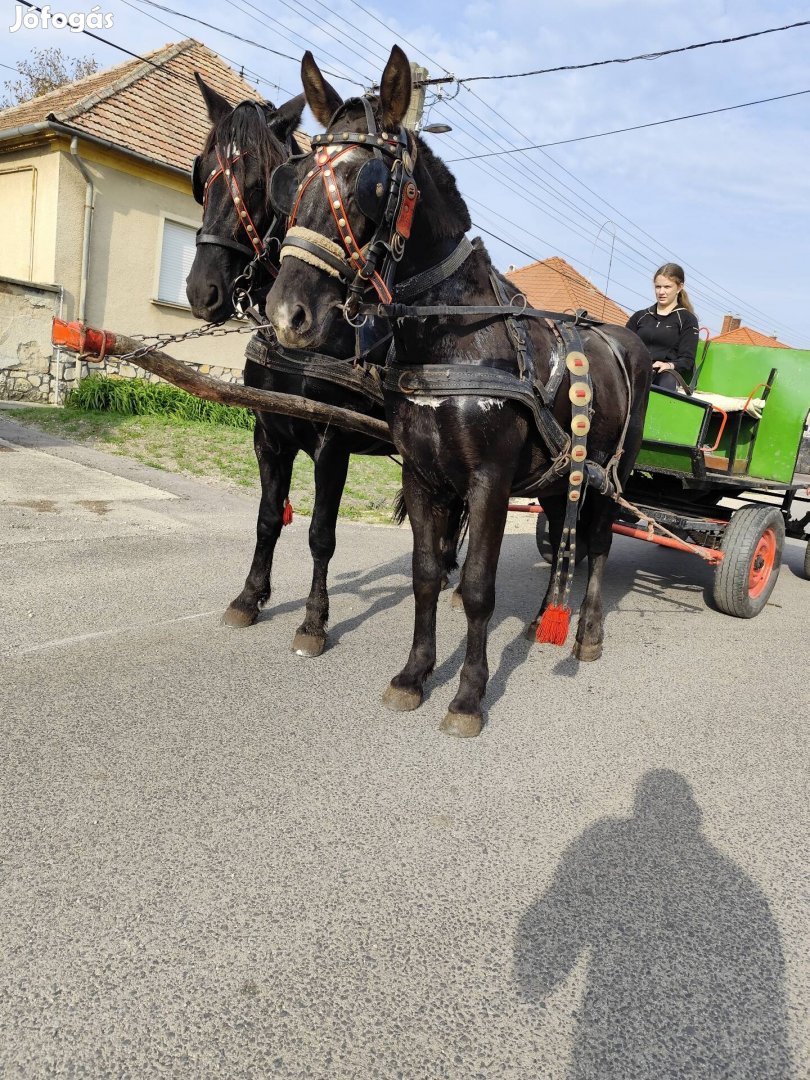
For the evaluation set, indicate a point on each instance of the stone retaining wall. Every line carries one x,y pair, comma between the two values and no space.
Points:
32,370
27,361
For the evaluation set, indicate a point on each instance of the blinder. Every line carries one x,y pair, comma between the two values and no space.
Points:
371,189
197,186
284,187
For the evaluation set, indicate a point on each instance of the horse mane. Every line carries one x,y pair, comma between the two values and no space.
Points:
244,127
442,210
441,205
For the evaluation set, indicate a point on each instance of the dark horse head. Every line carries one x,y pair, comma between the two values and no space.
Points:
231,181
345,200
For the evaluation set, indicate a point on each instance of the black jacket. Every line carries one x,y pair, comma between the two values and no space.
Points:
672,338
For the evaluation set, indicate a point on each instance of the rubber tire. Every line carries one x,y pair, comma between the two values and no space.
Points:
743,533
544,544
807,560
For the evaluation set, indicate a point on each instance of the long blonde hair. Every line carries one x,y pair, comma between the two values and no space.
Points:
675,273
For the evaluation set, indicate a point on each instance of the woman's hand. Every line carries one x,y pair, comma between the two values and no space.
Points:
662,365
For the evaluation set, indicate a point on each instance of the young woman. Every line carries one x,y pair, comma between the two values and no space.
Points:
669,328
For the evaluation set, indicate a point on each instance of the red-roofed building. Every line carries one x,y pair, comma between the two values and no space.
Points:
553,284
732,333
96,211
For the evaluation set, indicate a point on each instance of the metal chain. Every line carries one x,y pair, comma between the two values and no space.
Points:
161,341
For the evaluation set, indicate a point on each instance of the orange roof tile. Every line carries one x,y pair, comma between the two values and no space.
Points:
150,106
555,285
744,335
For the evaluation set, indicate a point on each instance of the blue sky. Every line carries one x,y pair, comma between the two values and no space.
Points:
727,195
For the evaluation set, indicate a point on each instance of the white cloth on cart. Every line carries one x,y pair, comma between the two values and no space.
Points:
753,407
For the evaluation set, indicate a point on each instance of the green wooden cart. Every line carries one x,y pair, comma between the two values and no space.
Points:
723,470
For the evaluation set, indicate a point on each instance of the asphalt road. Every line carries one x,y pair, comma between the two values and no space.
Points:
218,859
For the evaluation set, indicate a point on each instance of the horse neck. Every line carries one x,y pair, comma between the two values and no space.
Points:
423,340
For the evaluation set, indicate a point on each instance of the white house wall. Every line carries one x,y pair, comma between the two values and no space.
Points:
131,201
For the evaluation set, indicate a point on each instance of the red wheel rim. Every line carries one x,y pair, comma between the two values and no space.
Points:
762,563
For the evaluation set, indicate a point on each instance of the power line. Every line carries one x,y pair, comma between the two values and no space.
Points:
282,28
713,287
576,226
702,293
641,232
635,127
631,59
235,63
401,37
299,8
236,37
656,250
120,48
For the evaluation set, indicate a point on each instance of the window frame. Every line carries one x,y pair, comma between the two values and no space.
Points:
175,219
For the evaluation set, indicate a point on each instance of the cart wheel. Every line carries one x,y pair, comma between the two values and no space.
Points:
807,561
752,546
544,544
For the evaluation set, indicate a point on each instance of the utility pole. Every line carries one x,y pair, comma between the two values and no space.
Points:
413,117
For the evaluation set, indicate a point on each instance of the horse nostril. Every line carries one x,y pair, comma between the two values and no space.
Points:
212,299
300,319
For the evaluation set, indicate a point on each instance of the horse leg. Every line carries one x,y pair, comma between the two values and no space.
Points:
429,526
275,472
331,466
488,510
598,530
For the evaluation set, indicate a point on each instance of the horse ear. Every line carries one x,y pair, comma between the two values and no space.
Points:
322,98
288,117
215,103
395,89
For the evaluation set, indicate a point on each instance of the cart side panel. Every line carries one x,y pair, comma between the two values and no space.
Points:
674,428
736,370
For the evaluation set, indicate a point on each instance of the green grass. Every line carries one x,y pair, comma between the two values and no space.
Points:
215,453
137,397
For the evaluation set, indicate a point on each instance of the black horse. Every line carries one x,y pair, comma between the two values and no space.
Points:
232,181
470,448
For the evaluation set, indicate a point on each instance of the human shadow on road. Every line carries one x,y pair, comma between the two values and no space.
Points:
685,973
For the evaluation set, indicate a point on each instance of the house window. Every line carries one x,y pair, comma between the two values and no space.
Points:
17,198
177,255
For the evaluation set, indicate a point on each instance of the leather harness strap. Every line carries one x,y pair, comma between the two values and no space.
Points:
427,279
360,378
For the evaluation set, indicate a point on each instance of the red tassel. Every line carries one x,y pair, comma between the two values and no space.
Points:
287,516
553,627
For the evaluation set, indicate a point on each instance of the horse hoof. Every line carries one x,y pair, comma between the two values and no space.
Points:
456,600
586,653
399,699
309,645
462,725
530,633
237,616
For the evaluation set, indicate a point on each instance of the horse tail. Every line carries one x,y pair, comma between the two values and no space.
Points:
400,511
457,524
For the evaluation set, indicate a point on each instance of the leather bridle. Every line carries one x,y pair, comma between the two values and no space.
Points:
261,246
385,193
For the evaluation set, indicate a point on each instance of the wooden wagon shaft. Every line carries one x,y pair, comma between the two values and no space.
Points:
96,344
